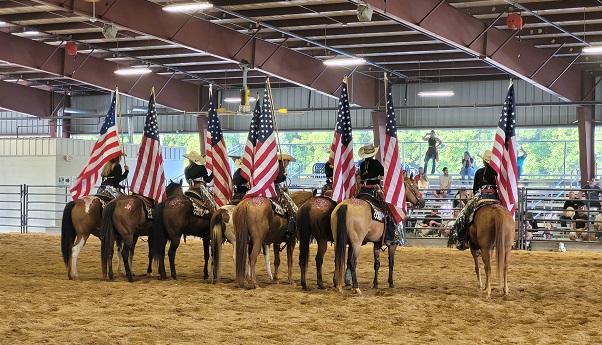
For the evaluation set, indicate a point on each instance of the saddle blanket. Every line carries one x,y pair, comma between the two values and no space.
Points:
481,203
278,209
377,213
199,204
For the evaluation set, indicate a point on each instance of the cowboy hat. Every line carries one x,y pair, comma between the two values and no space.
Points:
368,150
286,157
195,158
486,156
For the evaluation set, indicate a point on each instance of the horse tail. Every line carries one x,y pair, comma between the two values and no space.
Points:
502,232
156,237
217,230
107,236
241,225
304,225
67,232
340,243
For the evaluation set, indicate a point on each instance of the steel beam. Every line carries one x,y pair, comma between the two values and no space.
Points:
94,71
204,36
28,100
458,29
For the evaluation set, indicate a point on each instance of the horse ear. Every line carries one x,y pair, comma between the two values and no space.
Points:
170,181
180,182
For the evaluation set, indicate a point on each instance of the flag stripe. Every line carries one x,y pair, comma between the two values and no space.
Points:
341,157
217,158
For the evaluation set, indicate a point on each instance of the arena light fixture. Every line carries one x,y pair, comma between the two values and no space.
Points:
187,6
2,23
436,93
344,62
133,71
31,32
237,99
597,49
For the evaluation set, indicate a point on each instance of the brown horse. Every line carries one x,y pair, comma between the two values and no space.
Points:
255,219
81,218
124,220
351,223
174,218
493,227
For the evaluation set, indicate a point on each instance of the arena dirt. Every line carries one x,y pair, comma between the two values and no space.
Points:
554,298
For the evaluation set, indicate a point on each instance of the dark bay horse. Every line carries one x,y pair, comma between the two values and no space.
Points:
124,220
351,223
493,227
174,218
254,219
81,218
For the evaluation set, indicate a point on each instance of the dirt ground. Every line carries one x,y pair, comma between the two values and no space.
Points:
554,298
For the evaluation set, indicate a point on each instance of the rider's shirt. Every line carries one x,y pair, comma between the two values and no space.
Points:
197,173
115,177
370,170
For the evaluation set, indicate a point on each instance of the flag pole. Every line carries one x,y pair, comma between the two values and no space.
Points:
274,118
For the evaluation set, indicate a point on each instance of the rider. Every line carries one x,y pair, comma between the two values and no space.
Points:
484,187
196,173
241,185
112,175
328,171
283,161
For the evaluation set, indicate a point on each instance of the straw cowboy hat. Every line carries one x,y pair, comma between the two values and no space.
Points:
195,158
486,156
368,150
237,161
286,157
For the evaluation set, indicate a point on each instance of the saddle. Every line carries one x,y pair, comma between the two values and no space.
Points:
377,212
200,205
278,209
149,205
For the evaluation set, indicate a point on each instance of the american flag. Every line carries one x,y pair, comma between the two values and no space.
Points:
149,179
217,157
246,168
503,158
341,156
105,149
394,189
264,155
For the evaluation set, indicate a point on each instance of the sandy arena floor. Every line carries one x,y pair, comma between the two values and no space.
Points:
555,298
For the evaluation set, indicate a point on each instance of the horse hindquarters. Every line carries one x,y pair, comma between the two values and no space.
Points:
68,235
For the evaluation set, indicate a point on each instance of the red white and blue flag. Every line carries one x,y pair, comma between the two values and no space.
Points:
246,167
105,149
394,188
217,157
264,154
149,178
341,155
503,158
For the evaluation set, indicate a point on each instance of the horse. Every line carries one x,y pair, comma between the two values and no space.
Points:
351,222
493,227
124,220
173,218
254,218
222,226
81,218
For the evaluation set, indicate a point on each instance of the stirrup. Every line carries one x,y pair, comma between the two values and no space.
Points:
462,245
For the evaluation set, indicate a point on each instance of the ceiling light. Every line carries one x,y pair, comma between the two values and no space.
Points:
187,6
133,71
2,23
237,99
435,93
345,62
592,49
31,32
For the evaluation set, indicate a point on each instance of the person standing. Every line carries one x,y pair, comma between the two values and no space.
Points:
520,160
432,150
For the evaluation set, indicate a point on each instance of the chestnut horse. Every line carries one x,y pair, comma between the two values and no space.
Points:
351,222
174,218
254,219
124,220
493,227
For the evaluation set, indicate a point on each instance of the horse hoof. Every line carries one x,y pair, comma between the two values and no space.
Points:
358,292
321,286
391,286
206,277
375,286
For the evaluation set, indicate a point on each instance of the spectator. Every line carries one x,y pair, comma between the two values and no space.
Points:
461,198
432,150
520,160
530,225
592,194
449,224
422,182
581,225
598,225
429,222
569,207
420,173
467,170
445,182
548,234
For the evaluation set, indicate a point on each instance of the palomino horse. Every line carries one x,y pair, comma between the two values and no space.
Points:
352,224
173,218
493,227
124,220
222,226
81,218
255,219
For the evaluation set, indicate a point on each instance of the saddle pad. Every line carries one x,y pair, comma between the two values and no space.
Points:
278,209
377,213
481,203
149,206
199,208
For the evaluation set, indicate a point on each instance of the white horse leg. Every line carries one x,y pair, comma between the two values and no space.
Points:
77,248
266,255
